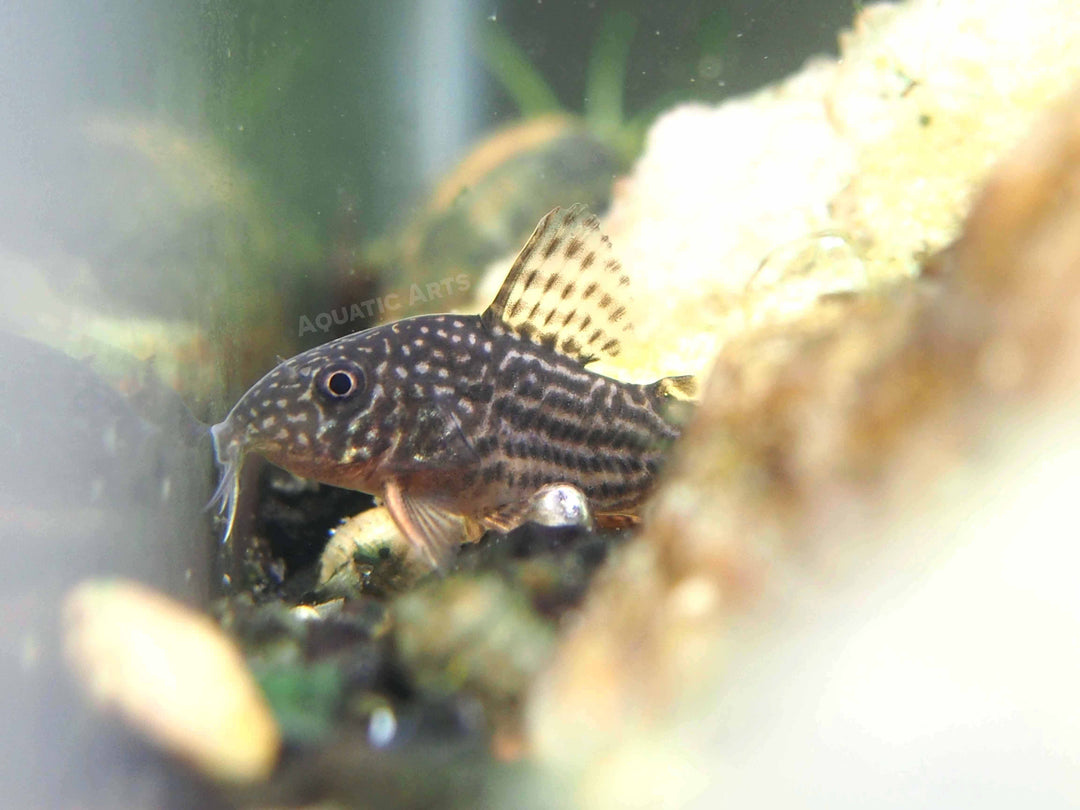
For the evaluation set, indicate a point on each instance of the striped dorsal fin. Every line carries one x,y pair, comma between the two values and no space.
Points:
566,289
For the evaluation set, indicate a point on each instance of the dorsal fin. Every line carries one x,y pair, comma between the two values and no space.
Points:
566,289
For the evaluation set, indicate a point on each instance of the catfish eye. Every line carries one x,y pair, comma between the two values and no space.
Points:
341,382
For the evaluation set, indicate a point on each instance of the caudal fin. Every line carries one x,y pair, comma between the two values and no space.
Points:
675,397
682,389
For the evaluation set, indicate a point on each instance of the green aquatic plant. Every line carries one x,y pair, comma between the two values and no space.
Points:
605,78
511,67
603,107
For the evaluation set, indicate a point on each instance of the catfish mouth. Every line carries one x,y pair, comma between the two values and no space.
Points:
231,447
355,475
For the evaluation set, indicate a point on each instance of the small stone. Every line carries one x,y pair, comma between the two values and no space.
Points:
382,727
318,612
173,676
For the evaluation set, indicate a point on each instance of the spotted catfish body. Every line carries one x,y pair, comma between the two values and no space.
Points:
459,421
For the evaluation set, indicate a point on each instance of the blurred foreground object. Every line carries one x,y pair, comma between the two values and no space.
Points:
173,676
888,471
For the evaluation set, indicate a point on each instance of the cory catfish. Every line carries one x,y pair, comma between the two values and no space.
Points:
467,422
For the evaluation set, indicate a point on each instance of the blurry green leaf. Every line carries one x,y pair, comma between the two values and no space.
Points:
305,698
513,70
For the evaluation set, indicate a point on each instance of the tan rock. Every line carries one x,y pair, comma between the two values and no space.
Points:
173,676
878,153
835,421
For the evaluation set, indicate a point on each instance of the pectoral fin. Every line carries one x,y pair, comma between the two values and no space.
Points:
435,532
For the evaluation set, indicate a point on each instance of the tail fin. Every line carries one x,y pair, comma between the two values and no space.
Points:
681,389
674,398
